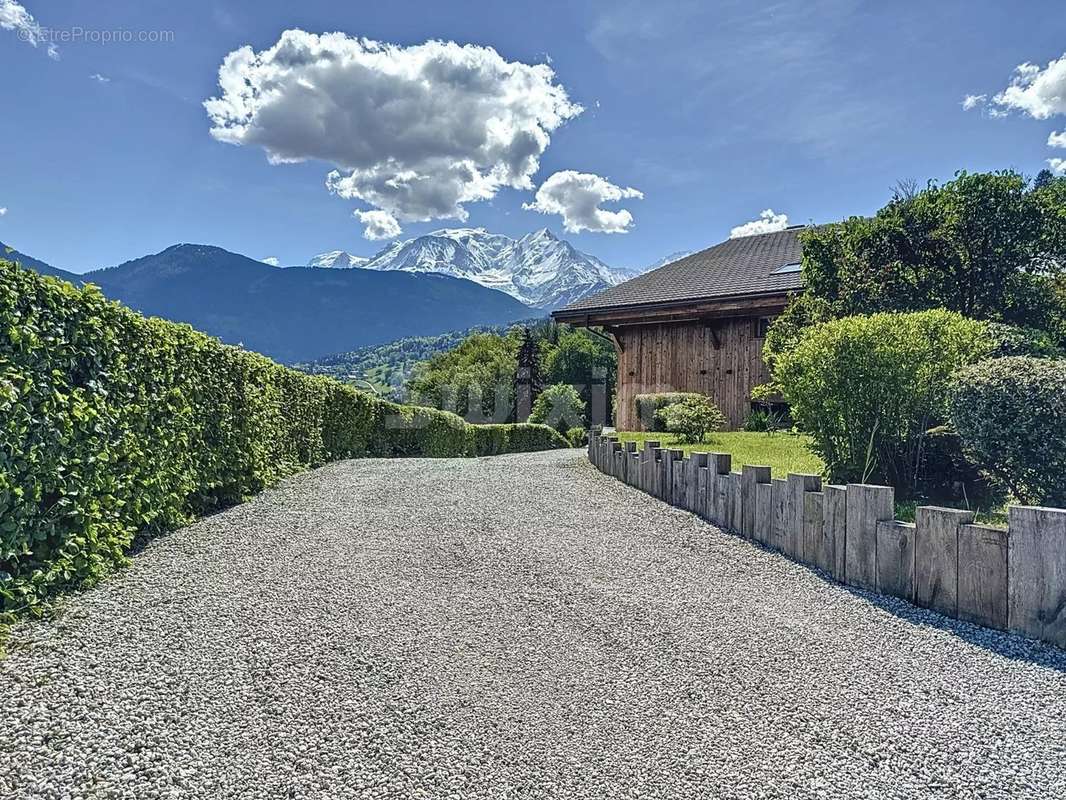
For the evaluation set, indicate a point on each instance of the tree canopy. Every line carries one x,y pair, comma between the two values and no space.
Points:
990,246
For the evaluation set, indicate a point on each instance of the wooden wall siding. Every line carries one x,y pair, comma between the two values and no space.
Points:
682,357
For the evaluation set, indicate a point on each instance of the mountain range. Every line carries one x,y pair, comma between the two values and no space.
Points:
448,280
539,269
294,314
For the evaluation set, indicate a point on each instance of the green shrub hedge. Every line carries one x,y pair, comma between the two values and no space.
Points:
691,418
1011,415
868,388
648,405
560,406
113,424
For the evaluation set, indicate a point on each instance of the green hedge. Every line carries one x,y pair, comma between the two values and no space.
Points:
647,406
114,424
868,388
1011,415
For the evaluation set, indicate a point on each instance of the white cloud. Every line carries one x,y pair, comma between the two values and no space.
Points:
3,210
1057,165
271,260
768,222
415,131
96,76
13,17
1040,93
378,224
577,196
1056,139
972,101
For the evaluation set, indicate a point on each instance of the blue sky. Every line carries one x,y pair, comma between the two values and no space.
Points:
712,111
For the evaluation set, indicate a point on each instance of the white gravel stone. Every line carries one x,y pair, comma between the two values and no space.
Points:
512,627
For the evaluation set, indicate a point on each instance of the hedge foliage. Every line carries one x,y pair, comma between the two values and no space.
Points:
1011,415
113,424
559,406
691,418
868,388
648,405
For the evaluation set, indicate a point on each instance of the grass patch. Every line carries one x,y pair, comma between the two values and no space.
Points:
782,452
787,452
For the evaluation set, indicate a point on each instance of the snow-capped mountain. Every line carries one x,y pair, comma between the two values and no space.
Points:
662,262
539,269
337,259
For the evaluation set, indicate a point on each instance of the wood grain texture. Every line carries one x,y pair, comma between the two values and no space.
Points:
982,596
735,521
718,465
834,525
817,548
750,478
867,505
779,529
683,357
764,513
1036,573
701,492
895,559
936,557
797,485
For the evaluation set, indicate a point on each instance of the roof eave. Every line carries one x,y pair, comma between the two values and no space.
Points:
581,314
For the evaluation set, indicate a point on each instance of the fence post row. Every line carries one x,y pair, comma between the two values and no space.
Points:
1013,579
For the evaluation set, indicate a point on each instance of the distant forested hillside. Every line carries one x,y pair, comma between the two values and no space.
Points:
388,366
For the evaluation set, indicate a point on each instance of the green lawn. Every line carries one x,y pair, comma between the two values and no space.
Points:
782,452
785,453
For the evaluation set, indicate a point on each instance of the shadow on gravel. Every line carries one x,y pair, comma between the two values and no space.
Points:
1008,645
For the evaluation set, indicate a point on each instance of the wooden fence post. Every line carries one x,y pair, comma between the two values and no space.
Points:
735,520
649,466
797,485
834,525
750,478
696,461
779,514
677,493
702,475
936,557
764,512
718,466
983,575
867,505
667,483
817,547
895,559
1036,573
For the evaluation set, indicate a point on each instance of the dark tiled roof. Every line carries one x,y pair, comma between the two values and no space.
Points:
742,266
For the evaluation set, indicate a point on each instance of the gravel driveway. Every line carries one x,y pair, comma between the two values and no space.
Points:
519,626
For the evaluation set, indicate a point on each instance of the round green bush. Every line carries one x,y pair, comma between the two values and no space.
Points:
1011,415
691,418
868,388
649,405
577,437
559,406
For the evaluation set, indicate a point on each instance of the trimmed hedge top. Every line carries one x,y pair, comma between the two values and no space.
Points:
114,424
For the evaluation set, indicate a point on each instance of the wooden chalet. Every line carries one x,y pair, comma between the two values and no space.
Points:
697,324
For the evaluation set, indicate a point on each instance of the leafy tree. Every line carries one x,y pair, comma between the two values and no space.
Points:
986,245
869,389
582,359
475,379
559,406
